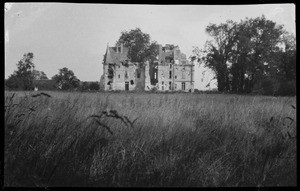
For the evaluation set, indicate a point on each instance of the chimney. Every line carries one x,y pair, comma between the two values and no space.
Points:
159,52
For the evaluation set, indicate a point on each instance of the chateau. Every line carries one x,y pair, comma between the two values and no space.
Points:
171,71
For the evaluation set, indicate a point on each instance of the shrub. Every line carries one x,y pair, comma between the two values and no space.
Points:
286,88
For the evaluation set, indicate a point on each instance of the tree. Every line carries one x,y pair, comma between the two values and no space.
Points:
246,55
217,52
39,75
286,66
66,80
94,86
84,86
265,37
140,47
22,78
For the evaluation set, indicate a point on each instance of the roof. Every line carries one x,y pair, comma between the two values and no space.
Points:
113,57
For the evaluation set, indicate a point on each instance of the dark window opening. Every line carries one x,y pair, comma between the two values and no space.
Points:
110,72
175,77
183,85
170,74
131,82
138,74
126,86
125,63
153,73
170,85
126,75
110,85
119,76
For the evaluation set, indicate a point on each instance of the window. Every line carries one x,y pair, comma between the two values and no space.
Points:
170,74
183,85
131,82
126,86
126,75
175,77
170,65
170,85
138,74
175,86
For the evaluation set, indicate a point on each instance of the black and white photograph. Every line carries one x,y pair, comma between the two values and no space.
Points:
149,95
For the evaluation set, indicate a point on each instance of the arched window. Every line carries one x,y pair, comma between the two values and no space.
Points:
183,85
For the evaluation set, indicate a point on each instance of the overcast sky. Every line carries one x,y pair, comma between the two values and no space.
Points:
76,35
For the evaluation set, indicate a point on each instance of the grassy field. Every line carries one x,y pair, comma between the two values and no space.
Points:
148,139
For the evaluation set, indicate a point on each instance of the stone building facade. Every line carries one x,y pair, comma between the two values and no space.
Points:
171,71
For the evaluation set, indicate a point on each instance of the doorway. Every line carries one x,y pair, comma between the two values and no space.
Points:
126,86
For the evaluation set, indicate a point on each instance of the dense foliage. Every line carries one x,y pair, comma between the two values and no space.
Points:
66,80
140,47
23,77
249,56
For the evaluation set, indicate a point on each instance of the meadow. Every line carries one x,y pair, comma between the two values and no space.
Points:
149,139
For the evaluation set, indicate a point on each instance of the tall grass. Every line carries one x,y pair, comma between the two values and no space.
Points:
143,139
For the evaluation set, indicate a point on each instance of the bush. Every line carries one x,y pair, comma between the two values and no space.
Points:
94,86
286,88
267,86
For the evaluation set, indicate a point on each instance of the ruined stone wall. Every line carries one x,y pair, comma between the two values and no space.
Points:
106,79
140,77
101,83
171,72
124,74
148,85
164,77
183,73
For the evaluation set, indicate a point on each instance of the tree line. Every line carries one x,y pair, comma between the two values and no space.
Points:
250,56
24,77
